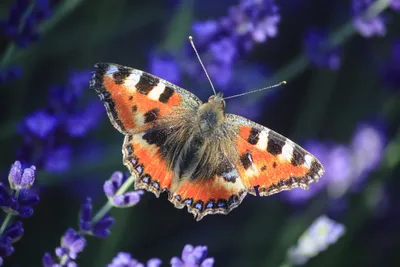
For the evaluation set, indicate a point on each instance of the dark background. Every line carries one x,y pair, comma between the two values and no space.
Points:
317,103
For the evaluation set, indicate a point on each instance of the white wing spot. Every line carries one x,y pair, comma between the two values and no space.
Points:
131,81
157,91
111,69
287,150
262,140
307,161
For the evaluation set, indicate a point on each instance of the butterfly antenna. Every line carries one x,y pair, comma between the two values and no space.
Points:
258,90
201,63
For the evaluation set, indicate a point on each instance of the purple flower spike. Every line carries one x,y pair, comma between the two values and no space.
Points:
112,185
193,257
86,215
323,233
223,51
6,247
340,169
99,229
367,27
72,243
165,67
20,203
14,231
314,42
223,40
368,145
22,23
128,199
124,259
25,202
18,179
10,235
154,262
102,228
395,4
58,159
47,260
15,174
40,123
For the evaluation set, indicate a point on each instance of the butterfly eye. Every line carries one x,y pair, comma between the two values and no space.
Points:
211,98
223,104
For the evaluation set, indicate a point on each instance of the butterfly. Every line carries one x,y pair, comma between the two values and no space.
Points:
203,158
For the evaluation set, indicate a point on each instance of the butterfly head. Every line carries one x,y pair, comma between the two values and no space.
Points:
217,100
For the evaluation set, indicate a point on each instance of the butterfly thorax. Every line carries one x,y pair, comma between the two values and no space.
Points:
211,114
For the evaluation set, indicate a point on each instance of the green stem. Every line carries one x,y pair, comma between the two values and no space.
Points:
109,204
103,211
5,223
285,264
7,55
64,259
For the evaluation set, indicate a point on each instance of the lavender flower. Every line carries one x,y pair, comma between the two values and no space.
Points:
49,132
21,26
367,26
19,199
193,257
99,229
19,179
164,66
346,166
124,259
111,187
367,145
315,50
40,123
254,19
317,238
72,243
10,235
222,41
395,5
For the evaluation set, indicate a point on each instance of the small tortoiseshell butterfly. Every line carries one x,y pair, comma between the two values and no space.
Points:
205,159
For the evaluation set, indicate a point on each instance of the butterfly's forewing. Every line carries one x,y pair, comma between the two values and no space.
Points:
134,99
137,103
269,161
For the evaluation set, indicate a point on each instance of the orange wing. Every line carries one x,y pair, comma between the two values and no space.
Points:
134,99
269,162
219,194
146,161
212,195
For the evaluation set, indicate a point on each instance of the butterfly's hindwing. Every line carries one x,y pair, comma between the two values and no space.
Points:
149,165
